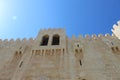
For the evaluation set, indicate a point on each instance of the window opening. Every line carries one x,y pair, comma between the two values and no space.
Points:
44,40
63,51
81,50
76,50
113,49
52,51
55,40
20,64
80,63
117,49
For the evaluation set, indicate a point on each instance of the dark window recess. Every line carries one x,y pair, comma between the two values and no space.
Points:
77,45
55,40
117,49
76,50
44,40
63,51
113,49
20,64
81,50
80,63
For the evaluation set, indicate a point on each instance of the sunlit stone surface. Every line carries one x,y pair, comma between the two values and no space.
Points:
54,56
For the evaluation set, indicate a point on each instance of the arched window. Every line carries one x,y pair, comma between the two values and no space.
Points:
55,40
44,40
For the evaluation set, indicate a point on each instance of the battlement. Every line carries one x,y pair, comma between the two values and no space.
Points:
49,29
52,30
93,36
116,29
87,36
18,40
54,56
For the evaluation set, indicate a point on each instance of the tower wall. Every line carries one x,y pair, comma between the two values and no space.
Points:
116,29
54,56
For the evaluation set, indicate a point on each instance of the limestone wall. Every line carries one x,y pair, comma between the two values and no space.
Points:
10,55
99,57
95,57
116,29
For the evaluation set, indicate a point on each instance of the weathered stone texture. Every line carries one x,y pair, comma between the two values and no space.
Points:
54,56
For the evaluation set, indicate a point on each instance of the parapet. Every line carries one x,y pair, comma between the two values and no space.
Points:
93,36
100,35
31,40
80,36
87,36
24,40
0,40
51,29
18,40
73,37
6,40
107,35
113,35
118,23
11,40
116,29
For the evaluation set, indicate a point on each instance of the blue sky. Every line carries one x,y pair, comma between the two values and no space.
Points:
24,18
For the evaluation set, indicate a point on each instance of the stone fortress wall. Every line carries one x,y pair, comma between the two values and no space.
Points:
116,29
54,56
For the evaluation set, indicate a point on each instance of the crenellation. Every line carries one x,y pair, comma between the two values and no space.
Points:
49,29
24,40
1,41
31,40
11,40
5,40
80,37
94,36
73,37
107,35
113,35
54,56
60,29
115,26
116,29
5,43
18,40
100,35
118,23
87,36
